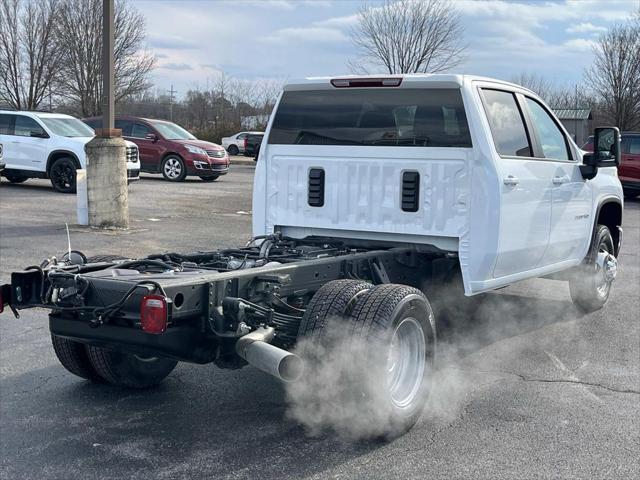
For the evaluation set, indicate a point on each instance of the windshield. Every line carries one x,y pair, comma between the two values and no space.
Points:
67,127
171,131
381,117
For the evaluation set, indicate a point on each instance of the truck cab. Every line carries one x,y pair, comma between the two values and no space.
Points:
473,166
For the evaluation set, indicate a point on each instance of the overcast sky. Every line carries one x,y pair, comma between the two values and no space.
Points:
194,40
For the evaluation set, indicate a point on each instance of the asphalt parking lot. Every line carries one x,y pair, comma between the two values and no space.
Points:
532,389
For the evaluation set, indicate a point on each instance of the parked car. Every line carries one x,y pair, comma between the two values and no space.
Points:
629,169
169,149
235,144
252,144
50,145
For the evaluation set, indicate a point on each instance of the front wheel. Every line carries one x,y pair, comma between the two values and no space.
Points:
174,169
63,175
129,370
590,284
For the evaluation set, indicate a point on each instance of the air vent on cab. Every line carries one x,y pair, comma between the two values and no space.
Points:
315,195
410,191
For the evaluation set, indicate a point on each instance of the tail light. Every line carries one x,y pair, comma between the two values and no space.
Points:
366,82
154,313
246,141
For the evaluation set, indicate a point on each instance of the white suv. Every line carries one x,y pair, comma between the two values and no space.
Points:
235,143
50,145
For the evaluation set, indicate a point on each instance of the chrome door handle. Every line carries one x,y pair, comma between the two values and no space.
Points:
510,180
560,180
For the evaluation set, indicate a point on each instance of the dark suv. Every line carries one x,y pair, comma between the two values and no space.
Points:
169,149
629,169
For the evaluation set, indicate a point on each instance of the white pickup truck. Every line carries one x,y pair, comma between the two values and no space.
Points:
371,194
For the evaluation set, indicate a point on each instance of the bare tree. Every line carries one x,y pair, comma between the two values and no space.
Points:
615,74
408,36
80,34
29,52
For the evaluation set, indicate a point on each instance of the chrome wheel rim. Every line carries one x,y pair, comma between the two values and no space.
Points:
606,270
172,168
406,362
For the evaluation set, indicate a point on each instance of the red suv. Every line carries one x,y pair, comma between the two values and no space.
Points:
167,148
629,169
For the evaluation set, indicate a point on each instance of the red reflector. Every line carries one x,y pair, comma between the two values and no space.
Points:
366,82
153,314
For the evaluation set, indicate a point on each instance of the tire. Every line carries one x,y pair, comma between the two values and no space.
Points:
398,326
233,150
590,283
128,370
631,193
210,179
15,178
332,301
63,175
173,168
73,356
104,258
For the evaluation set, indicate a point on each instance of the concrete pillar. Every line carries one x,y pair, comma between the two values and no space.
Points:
107,192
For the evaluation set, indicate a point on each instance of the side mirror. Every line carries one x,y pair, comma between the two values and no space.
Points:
151,136
606,151
36,134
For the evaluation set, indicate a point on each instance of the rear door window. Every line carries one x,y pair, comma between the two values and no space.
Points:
25,126
507,124
6,124
126,126
634,146
372,117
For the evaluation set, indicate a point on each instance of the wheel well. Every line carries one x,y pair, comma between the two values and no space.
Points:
610,214
53,156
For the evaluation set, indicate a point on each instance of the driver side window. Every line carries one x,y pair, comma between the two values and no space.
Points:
552,140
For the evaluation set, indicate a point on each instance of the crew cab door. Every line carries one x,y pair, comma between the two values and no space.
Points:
22,151
571,195
525,186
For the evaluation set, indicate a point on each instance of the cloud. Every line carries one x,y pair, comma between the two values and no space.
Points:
580,44
176,66
307,35
586,27
168,42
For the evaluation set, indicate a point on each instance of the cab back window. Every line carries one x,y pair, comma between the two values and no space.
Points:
372,117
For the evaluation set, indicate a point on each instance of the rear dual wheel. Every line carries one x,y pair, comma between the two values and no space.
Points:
101,365
390,331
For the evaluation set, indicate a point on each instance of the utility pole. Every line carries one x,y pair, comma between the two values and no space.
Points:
108,115
172,92
103,199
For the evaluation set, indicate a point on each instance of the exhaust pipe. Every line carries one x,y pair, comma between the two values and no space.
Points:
255,348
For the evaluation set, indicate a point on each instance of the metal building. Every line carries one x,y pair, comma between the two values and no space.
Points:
577,121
